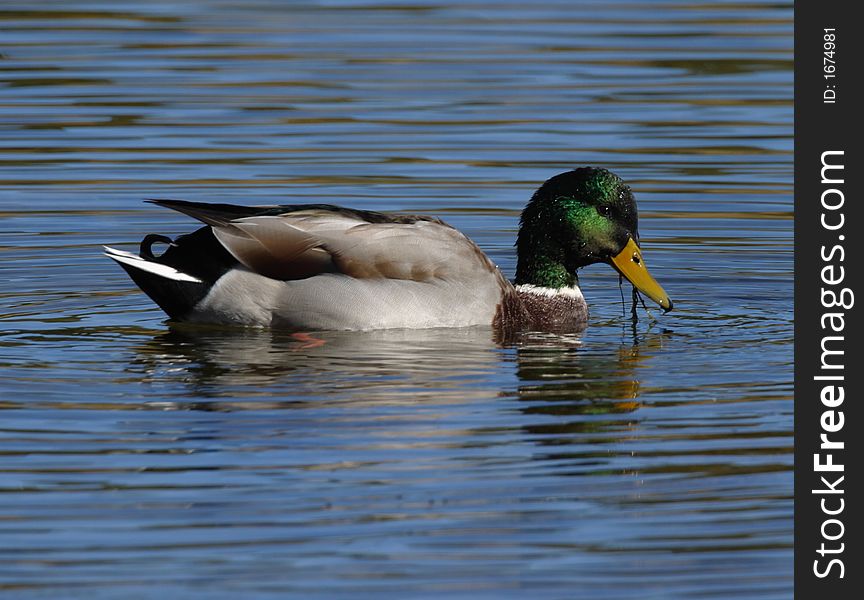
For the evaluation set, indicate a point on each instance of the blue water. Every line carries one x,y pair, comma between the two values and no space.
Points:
648,461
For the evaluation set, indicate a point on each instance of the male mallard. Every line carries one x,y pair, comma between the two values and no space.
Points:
318,266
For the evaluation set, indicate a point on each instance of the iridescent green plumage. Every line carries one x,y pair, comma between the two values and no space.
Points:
575,219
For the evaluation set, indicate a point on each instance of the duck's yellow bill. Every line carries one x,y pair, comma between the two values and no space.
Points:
629,263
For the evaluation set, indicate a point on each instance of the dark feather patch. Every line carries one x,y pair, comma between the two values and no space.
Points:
211,214
220,214
198,254
176,298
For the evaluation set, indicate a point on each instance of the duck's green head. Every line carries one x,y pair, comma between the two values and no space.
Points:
577,218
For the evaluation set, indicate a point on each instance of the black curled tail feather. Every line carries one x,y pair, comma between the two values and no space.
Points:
146,248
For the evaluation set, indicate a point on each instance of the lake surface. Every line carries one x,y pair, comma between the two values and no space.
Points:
648,461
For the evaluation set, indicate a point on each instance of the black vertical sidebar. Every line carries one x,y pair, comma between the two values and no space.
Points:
829,249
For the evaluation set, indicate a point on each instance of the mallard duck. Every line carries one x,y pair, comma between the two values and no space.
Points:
323,267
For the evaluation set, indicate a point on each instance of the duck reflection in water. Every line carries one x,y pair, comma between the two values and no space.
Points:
554,374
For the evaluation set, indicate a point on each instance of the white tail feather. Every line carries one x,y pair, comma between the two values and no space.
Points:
136,261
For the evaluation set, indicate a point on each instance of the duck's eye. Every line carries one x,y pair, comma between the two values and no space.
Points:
605,210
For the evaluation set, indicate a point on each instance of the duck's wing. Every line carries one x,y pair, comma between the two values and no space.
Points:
300,241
